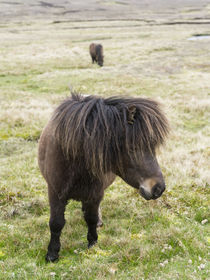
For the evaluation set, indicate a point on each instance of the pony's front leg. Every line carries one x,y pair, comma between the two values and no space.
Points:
90,210
57,222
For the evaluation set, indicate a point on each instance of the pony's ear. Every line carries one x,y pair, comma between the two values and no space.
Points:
131,113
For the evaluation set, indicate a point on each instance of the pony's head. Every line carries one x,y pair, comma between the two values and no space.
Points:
100,56
145,128
100,59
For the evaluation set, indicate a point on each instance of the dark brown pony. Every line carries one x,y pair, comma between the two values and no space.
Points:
96,53
88,141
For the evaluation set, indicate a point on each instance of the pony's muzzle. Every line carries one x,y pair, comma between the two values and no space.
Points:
151,191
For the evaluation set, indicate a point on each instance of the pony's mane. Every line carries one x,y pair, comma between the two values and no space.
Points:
99,131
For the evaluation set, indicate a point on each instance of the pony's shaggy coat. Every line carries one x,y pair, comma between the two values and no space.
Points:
98,131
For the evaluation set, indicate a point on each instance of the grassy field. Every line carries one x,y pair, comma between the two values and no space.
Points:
164,239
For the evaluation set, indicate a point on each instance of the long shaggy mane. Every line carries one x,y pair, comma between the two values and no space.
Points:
99,131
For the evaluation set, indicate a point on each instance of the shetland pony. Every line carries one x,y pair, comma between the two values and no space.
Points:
96,53
87,143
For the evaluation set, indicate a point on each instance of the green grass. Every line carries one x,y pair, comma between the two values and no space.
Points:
163,239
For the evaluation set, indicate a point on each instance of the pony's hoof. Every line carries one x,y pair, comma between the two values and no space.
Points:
52,258
91,244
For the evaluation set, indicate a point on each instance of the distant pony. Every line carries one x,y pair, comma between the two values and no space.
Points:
96,53
88,141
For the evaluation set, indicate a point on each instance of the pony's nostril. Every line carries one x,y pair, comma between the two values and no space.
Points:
158,189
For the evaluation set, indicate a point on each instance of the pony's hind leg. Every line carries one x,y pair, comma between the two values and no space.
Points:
100,221
57,222
91,216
